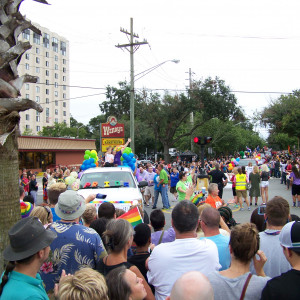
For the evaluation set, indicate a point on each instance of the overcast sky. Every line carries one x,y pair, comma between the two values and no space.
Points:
253,45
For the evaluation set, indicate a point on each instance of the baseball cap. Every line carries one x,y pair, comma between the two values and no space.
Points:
290,236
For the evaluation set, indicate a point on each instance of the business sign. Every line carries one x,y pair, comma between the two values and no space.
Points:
112,128
111,142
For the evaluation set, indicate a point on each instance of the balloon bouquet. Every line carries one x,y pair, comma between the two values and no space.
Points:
72,181
234,162
128,159
90,160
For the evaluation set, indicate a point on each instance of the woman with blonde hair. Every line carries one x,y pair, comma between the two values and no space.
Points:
85,284
237,282
254,180
43,213
118,238
264,184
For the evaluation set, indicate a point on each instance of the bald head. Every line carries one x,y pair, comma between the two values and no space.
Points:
190,286
211,217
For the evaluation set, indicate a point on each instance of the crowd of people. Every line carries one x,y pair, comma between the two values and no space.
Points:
67,248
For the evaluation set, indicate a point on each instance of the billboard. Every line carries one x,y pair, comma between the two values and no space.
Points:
111,142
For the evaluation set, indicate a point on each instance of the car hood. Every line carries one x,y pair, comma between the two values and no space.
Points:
114,194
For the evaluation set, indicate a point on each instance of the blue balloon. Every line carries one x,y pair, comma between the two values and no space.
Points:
83,167
93,165
91,161
133,160
238,159
131,155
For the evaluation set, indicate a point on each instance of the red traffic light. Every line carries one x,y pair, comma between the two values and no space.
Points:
196,139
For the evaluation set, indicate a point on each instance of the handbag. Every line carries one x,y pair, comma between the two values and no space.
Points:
245,286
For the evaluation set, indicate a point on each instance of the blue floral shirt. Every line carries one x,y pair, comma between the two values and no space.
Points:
75,247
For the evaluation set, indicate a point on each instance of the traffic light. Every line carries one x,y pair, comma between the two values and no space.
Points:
207,140
197,140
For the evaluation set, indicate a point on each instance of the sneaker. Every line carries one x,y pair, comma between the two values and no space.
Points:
153,207
249,208
236,206
148,204
294,204
242,209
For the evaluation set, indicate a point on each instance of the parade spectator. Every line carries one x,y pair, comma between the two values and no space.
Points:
174,176
165,267
219,178
25,255
25,183
277,169
33,188
231,283
160,235
295,180
53,193
283,166
157,189
43,213
118,237
276,216
254,180
209,221
163,182
213,199
241,188
22,193
264,184
89,215
76,246
45,183
258,220
226,214
232,179
286,286
190,286
149,190
99,225
119,212
86,284
288,171
107,210
123,284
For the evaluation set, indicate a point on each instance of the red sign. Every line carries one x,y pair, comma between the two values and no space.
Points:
108,131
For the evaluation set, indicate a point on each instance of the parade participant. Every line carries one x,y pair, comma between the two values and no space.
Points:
163,182
241,188
213,199
118,154
149,190
254,180
286,286
174,176
295,180
165,267
219,178
237,282
109,157
185,181
232,179
45,183
157,188
33,188
25,183
25,254
264,184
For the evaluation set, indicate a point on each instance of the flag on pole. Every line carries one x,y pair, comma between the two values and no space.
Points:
133,217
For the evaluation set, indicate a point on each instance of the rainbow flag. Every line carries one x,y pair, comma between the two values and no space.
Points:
26,208
133,217
198,199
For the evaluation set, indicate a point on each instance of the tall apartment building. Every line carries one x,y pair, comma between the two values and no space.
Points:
48,59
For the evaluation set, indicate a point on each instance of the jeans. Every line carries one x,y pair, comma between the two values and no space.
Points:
33,194
283,178
164,196
277,173
156,194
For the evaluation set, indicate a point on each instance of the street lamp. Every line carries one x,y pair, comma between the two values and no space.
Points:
134,78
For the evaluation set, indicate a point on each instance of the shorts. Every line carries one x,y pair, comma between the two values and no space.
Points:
173,190
296,189
149,191
241,193
264,184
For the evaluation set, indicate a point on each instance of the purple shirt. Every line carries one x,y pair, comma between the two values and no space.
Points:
169,236
150,176
117,158
295,179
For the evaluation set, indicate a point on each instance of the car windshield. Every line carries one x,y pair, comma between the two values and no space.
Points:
107,180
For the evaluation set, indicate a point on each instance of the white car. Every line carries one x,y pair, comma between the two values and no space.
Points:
117,183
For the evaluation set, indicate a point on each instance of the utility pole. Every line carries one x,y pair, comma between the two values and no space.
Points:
133,46
192,113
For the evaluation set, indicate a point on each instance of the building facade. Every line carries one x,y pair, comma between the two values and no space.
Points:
48,59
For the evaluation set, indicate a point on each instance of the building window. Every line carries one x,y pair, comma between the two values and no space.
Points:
64,61
47,54
47,101
56,76
64,78
27,96
47,63
47,111
47,82
64,69
27,86
64,113
36,38
64,104
37,89
56,112
47,91
37,99
65,121
64,95
37,50
26,34
56,67
47,119
56,93
46,40
64,87
56,84
63,48
55,44
38,128
27,55
37,60
27,117
47,73
37,69
56,102
27,66
37,79
55,57
27,127
37,118
56,120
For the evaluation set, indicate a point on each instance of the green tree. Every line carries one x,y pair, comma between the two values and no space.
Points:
279,141
27,132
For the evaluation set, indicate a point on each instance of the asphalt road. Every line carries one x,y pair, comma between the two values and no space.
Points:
275,189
